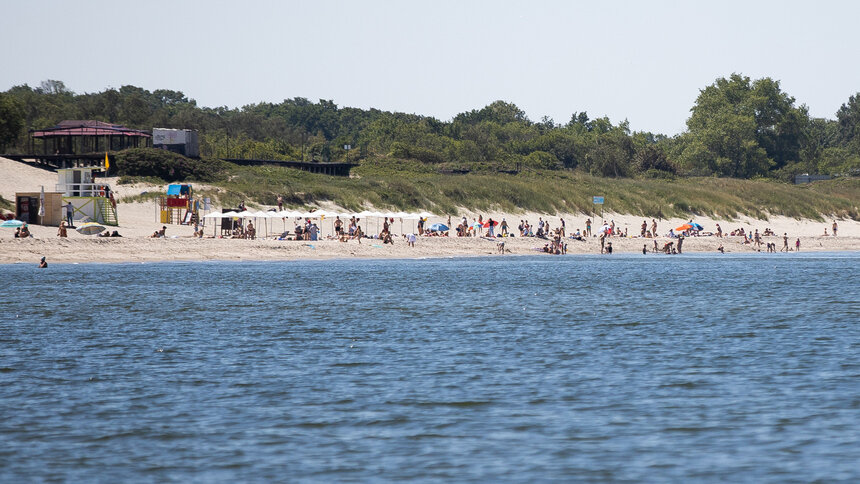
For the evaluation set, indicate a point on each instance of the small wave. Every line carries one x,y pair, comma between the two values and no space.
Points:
459,404
685,384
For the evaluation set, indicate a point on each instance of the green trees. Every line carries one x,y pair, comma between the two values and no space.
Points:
738,128
848,118
742,128
11,120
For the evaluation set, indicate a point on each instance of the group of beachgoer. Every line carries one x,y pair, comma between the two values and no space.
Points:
23,232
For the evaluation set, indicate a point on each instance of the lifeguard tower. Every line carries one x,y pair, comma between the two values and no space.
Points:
92,201
178,206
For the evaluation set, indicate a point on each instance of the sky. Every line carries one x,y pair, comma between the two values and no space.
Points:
643,61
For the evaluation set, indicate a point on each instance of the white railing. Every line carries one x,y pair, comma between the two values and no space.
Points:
81,189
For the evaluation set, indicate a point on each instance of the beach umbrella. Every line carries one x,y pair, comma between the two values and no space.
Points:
12,224
487,224
683,228
696,226
90,228
438,228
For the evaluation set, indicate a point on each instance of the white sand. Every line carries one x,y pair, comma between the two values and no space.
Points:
137,221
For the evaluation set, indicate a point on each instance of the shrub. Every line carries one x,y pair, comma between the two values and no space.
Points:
406,151
168,166
541,160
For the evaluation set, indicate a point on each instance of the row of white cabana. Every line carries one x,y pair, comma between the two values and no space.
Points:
321,215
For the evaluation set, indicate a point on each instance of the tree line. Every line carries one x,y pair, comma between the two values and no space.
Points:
738,127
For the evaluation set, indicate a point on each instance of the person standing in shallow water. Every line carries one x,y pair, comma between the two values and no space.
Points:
43,264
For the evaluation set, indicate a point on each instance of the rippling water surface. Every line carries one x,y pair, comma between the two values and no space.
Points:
649,368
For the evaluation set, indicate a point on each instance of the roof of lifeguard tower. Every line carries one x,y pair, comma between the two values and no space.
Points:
88,128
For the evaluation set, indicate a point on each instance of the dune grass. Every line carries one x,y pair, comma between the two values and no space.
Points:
6,204
413,186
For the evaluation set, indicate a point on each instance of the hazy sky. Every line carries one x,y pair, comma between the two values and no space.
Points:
640,60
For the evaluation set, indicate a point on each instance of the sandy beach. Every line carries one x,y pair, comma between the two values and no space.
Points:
137,221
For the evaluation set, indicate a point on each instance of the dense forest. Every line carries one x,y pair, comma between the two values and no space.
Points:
738,127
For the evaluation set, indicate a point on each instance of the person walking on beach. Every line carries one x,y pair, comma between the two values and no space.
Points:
644,228
680,242
280,203
757,239
834,228
784,242
588,227
654,227
503,228
719,231
797,245
70,214
602,241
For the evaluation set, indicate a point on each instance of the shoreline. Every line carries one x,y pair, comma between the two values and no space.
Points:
624,255
186,249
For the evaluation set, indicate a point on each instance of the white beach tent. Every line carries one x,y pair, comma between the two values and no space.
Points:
214,216
329,215
265,216
365,214
219,215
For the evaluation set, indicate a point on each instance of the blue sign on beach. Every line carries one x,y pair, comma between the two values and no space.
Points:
597,200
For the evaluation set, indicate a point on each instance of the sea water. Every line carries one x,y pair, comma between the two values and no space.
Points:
496,369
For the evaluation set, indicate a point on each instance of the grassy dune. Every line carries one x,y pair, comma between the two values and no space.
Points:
412,186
